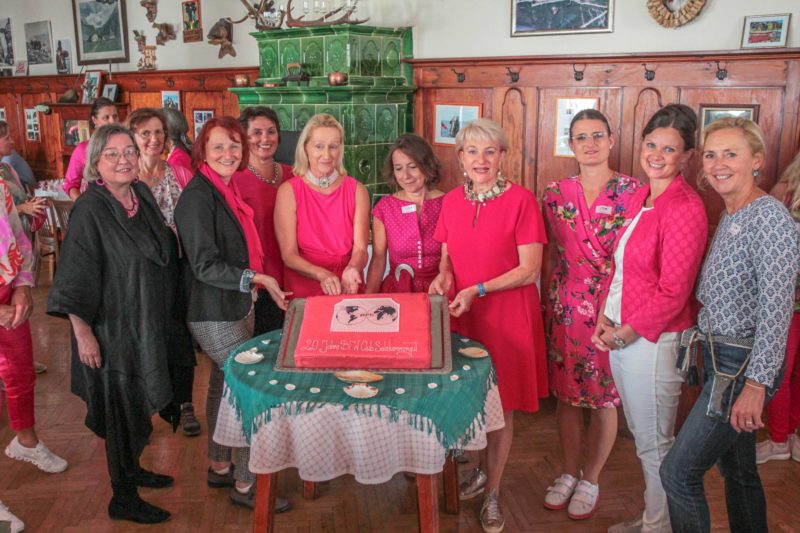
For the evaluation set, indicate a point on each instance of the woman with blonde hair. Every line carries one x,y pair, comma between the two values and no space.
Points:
492,235
783,412
746,288
322,216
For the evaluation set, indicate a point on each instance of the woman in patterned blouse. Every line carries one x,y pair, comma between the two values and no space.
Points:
746,289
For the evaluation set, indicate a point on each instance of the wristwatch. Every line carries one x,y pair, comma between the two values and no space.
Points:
619,341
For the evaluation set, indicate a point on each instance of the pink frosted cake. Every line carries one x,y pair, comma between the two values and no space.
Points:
365,331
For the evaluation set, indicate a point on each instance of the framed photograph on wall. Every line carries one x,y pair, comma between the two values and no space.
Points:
711,112
39,42
6,43
449,118
91,86
32,132
199,118
171,99
566,108
2,113
110,91
101,31
192,21
765,31
552,18
75,131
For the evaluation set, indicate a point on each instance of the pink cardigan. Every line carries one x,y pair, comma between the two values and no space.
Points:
662,259
74,175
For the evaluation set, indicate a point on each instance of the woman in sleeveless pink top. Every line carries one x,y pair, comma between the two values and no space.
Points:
322,216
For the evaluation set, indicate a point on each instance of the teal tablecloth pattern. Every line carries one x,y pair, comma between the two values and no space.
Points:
452,404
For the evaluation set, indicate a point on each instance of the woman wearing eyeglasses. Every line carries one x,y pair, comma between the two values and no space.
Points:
117,282
584,214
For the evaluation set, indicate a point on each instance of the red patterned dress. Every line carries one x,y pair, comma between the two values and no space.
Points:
580,374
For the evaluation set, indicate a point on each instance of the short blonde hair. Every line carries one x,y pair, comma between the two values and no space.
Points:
751,131
482,129
321,120
791,176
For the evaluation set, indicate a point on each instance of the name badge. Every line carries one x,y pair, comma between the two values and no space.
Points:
603,210
734,229
412,208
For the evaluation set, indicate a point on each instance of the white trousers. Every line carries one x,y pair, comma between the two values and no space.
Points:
650,387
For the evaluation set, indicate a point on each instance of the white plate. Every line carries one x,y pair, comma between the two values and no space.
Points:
361,390
357,376
248,357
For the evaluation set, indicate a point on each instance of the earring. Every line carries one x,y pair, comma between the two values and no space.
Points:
465,175
756,173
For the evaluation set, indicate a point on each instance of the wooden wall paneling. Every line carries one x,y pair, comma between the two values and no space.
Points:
196,101
549,166
452,175
139,99
790,138
230,104
35,151
509,105
15,119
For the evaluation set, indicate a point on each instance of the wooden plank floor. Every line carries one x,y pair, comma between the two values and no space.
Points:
76,500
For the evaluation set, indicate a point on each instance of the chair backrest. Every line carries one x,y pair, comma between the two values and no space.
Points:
61,209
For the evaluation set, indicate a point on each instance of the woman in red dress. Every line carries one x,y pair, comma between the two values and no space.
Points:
322,216
258,186
492,235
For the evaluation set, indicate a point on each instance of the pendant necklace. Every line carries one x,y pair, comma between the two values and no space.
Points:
479,199
323,182
275,171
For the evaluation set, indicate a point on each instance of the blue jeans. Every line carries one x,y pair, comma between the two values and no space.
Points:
702,442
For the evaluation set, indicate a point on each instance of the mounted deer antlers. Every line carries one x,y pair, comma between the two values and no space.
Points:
326,19
264,15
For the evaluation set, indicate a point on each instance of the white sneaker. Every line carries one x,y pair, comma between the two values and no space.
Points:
558,495
634,525
584,502
772,451
42,457
473,485
795,441
8,516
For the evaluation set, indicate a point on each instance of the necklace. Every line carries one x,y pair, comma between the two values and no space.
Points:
275,171
323,182
134,205
495,191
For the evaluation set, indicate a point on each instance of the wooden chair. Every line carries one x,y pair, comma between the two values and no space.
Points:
46,244
62,209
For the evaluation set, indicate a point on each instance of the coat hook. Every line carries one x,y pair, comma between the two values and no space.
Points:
514,75
721,72
578,73
170,83
649,75
460,76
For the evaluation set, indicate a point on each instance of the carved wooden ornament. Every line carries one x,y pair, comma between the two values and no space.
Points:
672,19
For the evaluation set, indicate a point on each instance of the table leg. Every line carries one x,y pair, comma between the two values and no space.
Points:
428,503
450,477
309,490
264,511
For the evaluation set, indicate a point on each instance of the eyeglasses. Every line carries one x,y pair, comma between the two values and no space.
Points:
147,134
112,156
596,137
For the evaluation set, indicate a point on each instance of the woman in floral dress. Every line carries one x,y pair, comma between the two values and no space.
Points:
584,214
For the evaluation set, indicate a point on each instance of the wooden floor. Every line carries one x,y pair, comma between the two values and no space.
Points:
76,500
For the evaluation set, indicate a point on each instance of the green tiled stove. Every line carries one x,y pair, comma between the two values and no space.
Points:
374,107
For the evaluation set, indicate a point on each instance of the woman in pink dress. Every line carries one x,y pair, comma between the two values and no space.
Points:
258,186
405,221
103,112
322,216
584,214
492,234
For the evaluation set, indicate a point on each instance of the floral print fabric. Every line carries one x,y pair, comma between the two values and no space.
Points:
584,236
16,255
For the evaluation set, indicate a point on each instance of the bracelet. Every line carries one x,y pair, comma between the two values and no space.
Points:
481,290
748,384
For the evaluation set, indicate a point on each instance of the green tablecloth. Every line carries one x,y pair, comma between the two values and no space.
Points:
445,403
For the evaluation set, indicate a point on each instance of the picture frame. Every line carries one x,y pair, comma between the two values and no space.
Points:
75,131
766,31
542,18
39,42
450,117
566,108
91,86
171,99
101,31
32,132
111,91
63,56
6,43
199,118
191,21
2,113
711,112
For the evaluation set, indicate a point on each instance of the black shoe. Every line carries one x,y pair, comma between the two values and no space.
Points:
151,480
189,424
248,499
217,481
137,510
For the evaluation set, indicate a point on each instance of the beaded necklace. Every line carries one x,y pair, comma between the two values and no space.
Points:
275,171
324,182
495,191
